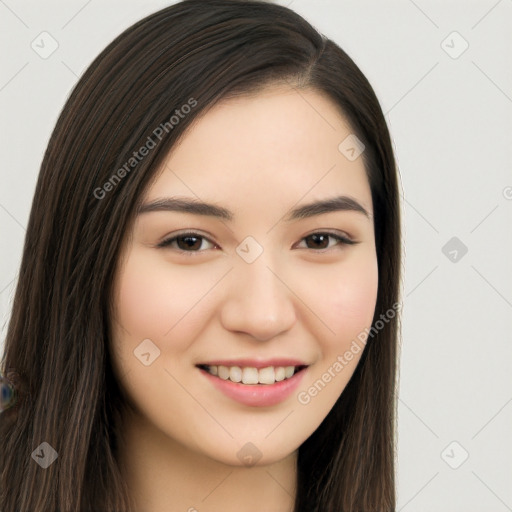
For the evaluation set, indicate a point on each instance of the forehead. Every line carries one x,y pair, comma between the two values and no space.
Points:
280,144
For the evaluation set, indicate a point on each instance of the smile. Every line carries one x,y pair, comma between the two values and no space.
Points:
255,382
250,375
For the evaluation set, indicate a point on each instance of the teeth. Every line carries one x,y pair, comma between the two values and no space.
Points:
235,374
266,375
250,375
289,371
280,374
223,372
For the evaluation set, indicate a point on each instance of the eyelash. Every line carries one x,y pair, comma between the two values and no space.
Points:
343,240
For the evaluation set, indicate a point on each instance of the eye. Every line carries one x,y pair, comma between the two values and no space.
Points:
192,242
320,240
186,242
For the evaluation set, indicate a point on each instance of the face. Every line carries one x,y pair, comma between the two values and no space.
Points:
257,288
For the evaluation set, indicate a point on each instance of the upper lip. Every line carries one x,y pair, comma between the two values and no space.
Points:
255,363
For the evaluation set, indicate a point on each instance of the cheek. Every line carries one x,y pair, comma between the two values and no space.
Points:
140,300
346,301
346,308
152,300
354,302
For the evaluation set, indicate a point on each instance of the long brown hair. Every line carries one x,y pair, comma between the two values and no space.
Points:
56,351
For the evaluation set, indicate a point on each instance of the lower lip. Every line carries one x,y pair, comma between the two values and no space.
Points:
257,395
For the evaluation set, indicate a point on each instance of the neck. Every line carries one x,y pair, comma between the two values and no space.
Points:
163,475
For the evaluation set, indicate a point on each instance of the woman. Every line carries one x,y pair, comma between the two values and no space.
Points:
205,317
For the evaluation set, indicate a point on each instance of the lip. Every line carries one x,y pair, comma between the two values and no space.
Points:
255,363
257,395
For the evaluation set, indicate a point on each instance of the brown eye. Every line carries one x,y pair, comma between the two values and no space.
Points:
320,241
187,243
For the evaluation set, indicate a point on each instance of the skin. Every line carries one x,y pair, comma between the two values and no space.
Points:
258,156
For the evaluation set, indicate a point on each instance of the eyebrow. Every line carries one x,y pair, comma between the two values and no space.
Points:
335,204
196,207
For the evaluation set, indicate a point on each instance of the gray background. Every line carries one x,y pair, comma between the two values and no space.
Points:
450,114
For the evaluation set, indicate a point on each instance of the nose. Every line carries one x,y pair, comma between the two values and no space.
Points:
258,302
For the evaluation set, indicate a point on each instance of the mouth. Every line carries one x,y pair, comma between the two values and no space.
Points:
252,375
255,383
